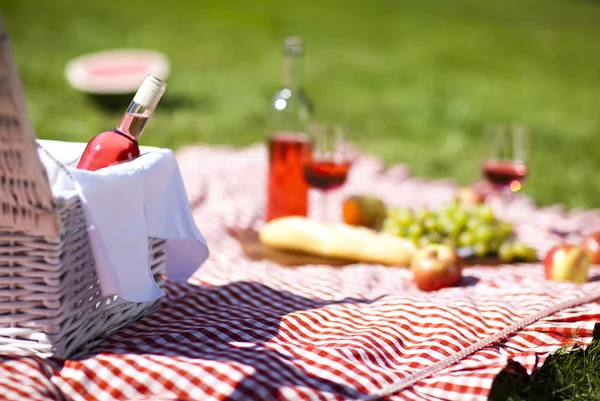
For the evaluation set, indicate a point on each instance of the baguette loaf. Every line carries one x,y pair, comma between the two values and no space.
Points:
336,240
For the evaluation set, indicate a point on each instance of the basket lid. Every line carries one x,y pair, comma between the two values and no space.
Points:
26,201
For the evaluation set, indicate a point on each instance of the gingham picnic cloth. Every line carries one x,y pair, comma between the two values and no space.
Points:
246,330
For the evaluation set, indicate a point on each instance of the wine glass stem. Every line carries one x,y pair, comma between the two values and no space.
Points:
508,195
324,206
505,196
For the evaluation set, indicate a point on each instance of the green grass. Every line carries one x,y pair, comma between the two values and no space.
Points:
416,81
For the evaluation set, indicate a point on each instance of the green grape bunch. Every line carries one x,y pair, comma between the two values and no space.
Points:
476,228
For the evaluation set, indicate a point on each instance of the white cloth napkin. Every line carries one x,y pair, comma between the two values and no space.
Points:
124,205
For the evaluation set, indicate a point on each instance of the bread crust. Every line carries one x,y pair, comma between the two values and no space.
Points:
336,240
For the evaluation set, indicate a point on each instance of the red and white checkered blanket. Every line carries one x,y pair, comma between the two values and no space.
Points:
244,330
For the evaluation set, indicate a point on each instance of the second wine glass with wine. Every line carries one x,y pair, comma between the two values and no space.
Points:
327,161
505,166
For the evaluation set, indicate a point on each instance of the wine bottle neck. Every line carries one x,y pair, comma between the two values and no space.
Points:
134,120
292,72
293,64
142,106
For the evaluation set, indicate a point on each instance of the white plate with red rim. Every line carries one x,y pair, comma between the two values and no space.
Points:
113,72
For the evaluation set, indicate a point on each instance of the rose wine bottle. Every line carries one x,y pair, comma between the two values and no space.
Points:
287,191
121,144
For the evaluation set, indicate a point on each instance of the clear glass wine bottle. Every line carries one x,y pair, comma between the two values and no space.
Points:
287,191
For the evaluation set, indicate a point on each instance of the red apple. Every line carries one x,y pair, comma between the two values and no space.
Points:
566,262
436,266
591,246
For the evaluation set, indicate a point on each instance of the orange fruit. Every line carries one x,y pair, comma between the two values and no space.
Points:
364,210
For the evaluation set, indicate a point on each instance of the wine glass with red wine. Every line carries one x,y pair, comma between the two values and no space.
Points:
505,167
327,161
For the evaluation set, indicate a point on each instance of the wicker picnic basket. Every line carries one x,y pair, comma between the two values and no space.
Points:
50,299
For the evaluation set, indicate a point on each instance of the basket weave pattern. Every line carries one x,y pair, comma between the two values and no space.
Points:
25,195
50,298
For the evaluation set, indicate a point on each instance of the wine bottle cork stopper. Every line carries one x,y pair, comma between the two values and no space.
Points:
293,41
150,91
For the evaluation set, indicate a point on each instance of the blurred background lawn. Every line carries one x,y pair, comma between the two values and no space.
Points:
416,81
